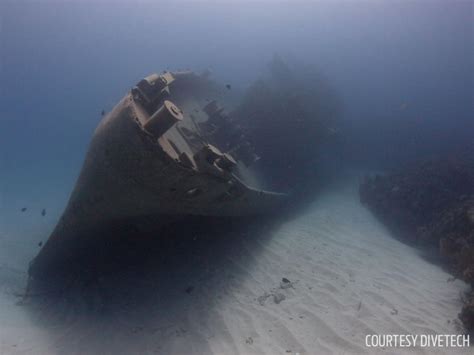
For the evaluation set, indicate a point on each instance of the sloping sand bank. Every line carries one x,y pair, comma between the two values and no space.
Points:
347,278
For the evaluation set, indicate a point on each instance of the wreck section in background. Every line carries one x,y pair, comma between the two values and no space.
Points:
287,115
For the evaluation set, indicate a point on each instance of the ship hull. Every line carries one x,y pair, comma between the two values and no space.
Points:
130,172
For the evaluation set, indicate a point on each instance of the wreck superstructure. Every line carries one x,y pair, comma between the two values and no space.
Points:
167,149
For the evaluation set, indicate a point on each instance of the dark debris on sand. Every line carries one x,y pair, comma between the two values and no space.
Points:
431,205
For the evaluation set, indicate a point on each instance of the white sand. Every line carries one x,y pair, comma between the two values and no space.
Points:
352,279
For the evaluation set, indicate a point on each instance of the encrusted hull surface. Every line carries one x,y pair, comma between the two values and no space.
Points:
152,156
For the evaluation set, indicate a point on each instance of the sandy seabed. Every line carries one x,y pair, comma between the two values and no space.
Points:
348,278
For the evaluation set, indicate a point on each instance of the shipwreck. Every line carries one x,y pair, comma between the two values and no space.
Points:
176,146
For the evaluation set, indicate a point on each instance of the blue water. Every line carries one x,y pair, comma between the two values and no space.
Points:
403,71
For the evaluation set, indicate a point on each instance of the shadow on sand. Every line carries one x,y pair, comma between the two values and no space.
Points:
146,291
139,289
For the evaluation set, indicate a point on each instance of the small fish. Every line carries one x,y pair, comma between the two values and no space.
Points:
23,209
43,212
228,86
189,289
102,113
137,329
40,244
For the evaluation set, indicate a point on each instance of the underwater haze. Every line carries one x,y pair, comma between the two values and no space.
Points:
403,70
397,79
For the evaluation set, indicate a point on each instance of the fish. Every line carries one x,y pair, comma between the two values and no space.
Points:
43,212
228,86
23,209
